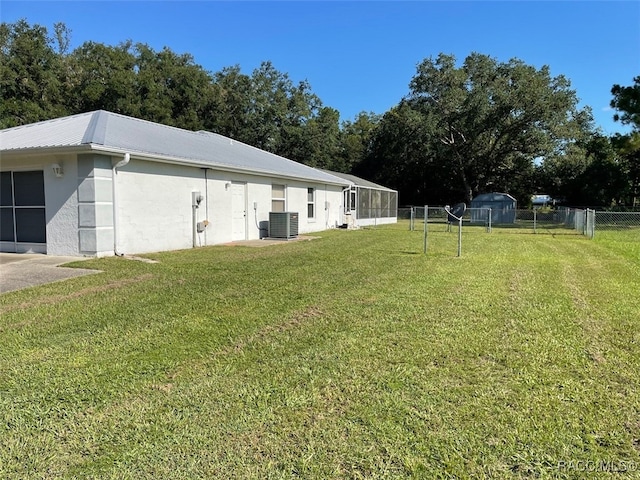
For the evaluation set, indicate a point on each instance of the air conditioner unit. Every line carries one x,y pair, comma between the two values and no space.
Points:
283,224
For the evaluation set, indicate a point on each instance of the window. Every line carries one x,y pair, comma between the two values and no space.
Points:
22,207
311,202
278,198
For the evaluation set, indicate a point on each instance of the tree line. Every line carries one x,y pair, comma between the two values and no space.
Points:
462,130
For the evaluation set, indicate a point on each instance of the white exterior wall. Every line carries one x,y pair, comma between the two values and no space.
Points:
367,222
154,211
61,202
153,204
62,208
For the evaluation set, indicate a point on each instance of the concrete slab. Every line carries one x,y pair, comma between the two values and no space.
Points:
264,242
24,270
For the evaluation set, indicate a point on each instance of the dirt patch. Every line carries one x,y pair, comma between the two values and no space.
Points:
265,242
164,387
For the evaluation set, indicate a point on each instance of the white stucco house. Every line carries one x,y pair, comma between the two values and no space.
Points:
100,183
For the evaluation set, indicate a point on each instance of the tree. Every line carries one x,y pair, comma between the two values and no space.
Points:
30,75
627,101
485,124
277,105
590,173
403,156
267,110
355,140
320,145
171,88
230,104
104,79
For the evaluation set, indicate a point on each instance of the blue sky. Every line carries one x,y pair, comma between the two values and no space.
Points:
361,55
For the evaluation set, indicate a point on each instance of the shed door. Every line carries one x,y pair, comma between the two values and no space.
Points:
23,224
238,212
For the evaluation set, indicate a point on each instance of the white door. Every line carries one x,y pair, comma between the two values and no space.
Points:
238,211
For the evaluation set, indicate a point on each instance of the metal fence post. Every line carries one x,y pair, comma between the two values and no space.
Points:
460,236
534,221
426,219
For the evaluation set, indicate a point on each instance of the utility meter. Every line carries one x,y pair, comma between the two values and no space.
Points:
196,199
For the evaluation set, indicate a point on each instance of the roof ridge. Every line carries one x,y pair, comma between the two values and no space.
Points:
97,128
49,120
151,122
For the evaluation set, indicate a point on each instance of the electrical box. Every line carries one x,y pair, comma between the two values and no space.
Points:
201,226
196,199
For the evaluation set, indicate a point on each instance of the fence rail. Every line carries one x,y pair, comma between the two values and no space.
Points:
575,220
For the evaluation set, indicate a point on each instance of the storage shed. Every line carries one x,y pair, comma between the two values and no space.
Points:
100,183
503,207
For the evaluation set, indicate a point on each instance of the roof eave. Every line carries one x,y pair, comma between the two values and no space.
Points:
40,151
201,164
88,148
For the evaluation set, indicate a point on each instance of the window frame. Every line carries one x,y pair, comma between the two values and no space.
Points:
311,203
281,200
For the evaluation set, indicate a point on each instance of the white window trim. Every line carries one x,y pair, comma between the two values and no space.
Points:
279,199
314,203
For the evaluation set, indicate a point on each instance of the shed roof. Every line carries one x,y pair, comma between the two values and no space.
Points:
111,132
493,197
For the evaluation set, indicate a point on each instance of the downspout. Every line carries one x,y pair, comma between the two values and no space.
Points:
327,208
114,202
206,202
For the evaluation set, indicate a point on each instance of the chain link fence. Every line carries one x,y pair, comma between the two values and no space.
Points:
617,220
546,221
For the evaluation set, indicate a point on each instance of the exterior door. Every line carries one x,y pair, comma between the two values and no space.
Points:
238,211
23,224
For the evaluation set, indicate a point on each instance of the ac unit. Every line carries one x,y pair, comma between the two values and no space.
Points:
283,224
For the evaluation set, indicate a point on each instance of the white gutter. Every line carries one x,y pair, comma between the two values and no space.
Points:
114,201
160,158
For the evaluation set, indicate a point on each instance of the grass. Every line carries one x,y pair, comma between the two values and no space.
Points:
351,356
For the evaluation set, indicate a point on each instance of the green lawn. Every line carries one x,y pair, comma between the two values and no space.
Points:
350,356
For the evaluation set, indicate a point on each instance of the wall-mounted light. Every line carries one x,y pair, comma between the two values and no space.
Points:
57,170
227,185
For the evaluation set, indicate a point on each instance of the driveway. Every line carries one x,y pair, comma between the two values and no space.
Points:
23,270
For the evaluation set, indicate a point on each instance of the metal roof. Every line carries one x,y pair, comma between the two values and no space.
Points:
111,132
494,197
359,182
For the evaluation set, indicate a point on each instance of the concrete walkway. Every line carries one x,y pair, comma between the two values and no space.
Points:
23,270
